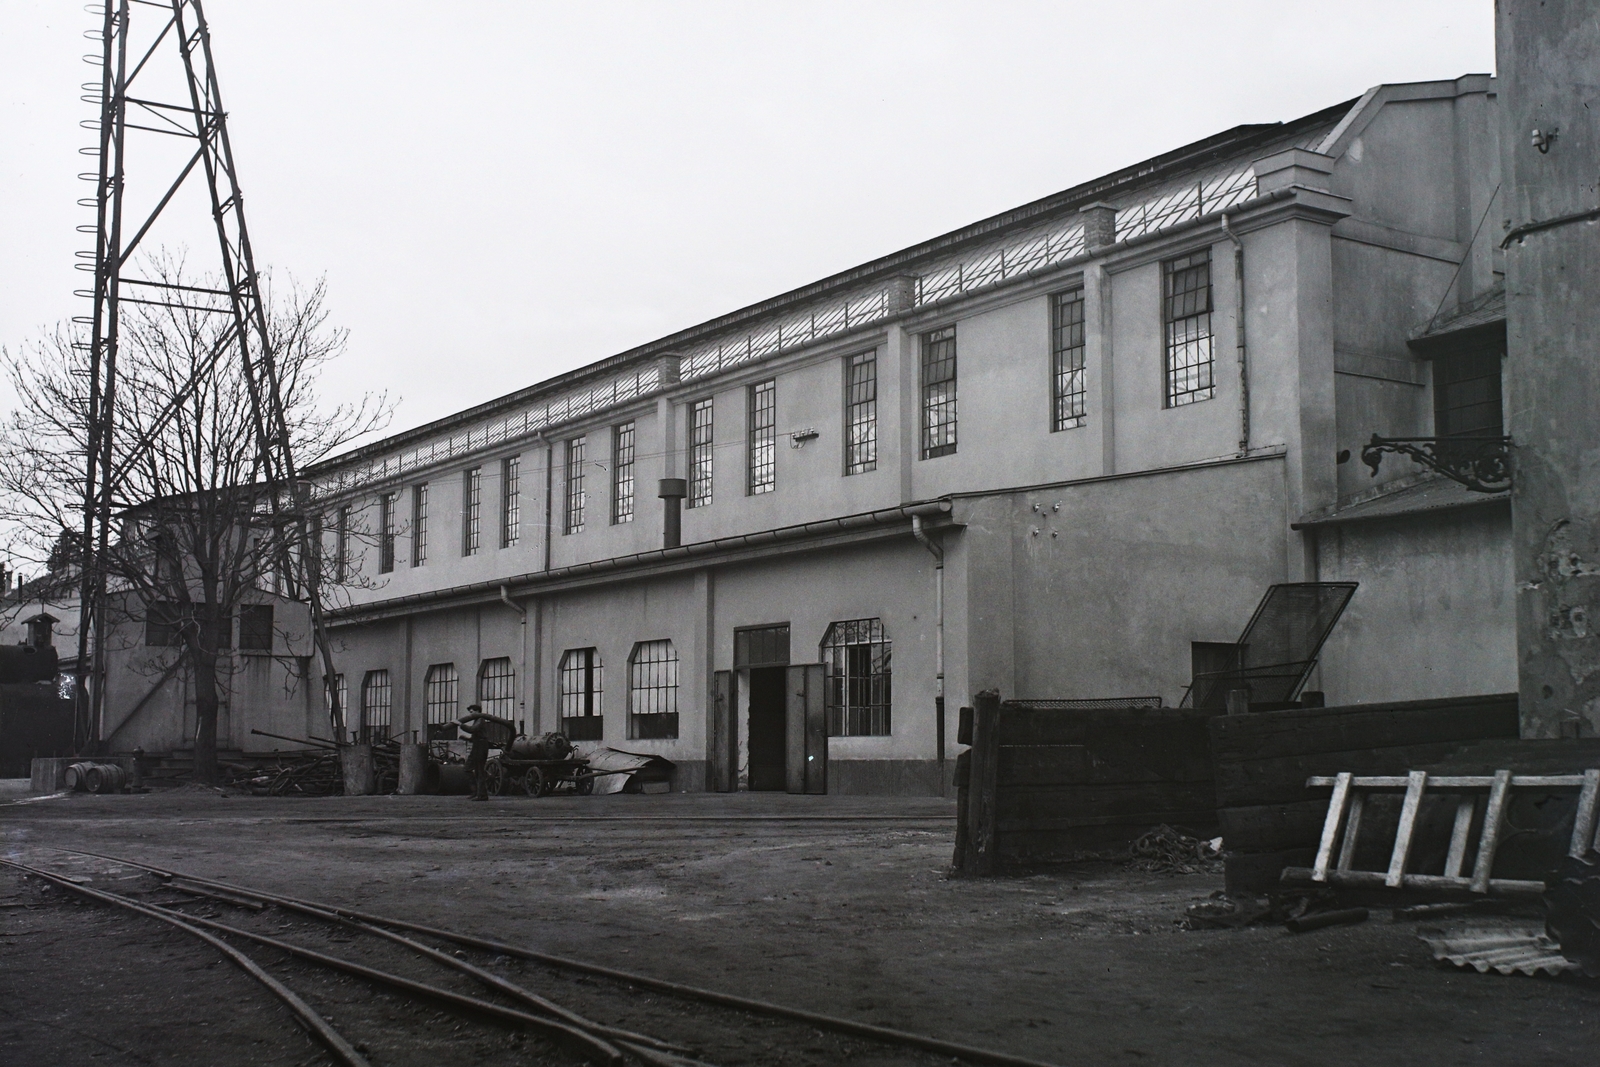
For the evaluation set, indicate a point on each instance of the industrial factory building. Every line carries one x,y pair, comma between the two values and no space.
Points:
1061,453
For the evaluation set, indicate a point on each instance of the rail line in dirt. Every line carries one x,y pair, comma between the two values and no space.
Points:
712,1019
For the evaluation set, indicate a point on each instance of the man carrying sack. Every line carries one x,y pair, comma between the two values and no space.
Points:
479,726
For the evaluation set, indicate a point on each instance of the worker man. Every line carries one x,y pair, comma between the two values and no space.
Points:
478,725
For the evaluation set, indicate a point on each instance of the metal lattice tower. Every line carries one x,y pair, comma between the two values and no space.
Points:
152,50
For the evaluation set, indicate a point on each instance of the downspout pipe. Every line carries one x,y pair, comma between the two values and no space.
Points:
937,551
1244,366
505,598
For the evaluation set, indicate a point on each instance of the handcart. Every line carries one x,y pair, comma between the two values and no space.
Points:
538,777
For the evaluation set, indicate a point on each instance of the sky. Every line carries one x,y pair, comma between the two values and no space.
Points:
498,192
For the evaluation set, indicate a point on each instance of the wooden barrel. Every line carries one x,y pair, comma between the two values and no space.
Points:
76,777
105,778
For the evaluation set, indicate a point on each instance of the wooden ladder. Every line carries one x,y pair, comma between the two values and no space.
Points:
1343,825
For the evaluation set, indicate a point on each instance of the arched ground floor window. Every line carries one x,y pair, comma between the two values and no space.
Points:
855,657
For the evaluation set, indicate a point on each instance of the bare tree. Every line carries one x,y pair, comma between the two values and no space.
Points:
198,534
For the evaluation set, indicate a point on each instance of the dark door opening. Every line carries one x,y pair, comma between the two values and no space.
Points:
768,731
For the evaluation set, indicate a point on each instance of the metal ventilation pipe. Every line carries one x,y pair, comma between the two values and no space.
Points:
672,491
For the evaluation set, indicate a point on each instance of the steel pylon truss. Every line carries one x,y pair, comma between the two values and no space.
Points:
158,86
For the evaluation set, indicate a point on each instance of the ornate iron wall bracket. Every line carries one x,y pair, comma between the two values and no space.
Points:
1482,464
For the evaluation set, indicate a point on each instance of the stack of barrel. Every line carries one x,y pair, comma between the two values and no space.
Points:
89,777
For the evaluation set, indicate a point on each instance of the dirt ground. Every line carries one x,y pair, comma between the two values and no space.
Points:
836,904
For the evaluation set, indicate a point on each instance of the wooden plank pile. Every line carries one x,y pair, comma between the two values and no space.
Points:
1041,786
1271,820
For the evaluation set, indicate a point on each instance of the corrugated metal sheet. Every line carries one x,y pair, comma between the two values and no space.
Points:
1505,950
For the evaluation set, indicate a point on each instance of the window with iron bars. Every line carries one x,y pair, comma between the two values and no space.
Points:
419,524
376,697
441,700
255,628
700,453
579,687
510,501
573,522
341,545
653,691
386,532
1186,311
861,413
622,473
855,658
939,393
761,405
1066,361
497,687
471,510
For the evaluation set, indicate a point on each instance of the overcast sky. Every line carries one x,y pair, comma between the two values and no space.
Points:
498,192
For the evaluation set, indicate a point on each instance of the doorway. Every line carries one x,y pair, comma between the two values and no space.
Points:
768,728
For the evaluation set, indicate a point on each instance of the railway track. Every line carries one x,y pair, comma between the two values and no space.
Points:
602,1016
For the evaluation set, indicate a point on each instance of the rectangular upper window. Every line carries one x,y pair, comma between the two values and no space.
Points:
861,413
510,501
255,628
162,621
700,453
939,393
471,510
1186,313
762,443
622,473
1466,393
575,498
341,545
1068,390
419,524
386,524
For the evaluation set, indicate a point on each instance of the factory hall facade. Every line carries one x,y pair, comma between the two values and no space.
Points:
1061,453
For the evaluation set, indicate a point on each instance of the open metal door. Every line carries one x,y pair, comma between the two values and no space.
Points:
806,723
723,754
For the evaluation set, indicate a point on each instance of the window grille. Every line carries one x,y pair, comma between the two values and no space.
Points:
497,687
700,453
1466,394
510,501
375,705
580,686
575,496
386,503
1066,362
622,473
255,628
653,690
939,393
861,413
419,524
441,698
343,692
471,510
762,448
163,621
1186,287
341,559
855,658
